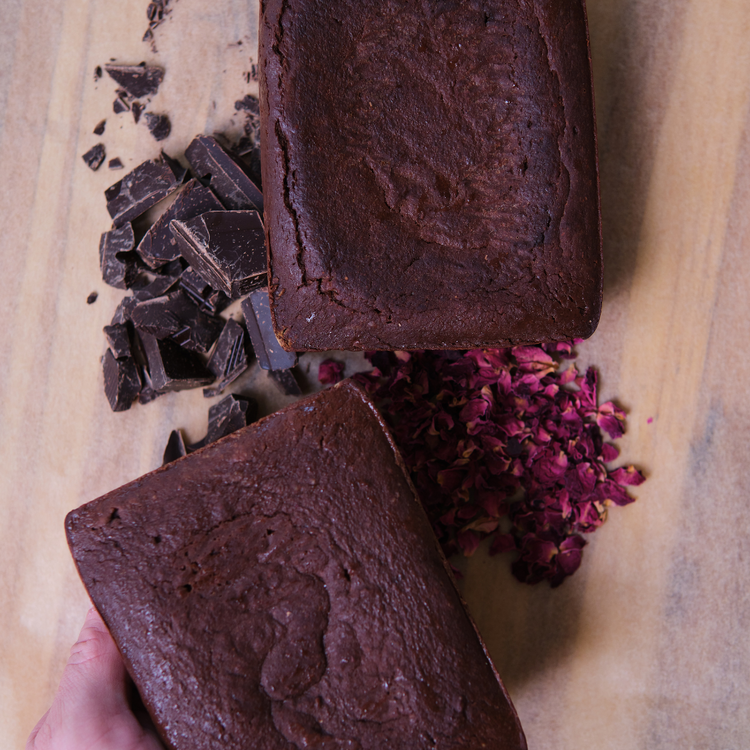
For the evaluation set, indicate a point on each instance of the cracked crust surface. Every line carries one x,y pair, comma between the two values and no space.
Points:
430,172
282,588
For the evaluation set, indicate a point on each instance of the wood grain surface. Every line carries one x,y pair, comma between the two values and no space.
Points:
648,645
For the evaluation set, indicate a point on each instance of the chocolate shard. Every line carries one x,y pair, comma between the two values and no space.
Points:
117,260
119,105
202,294
229,358
118,338
227,178
229,415
172,368
175,448
257,311
115,163
143,188
99,129
176,317
158,125
137,80
158,245
157,287
95,156
147,394
123,310
286,381
227,248
121,381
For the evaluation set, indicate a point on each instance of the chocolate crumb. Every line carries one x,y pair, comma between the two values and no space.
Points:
115,163
94,157
175,448
137,109
92,298
120,105
97,72
159,126
99,129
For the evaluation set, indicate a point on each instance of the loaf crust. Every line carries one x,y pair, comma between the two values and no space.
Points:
430,173
282,588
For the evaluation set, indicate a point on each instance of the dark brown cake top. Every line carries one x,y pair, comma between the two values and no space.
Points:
282,588
430,173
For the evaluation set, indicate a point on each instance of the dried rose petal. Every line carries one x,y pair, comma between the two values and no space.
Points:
330,372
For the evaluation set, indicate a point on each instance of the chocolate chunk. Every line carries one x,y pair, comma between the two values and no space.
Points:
137,109
92,298
227,248
228,359
271,355
118,338
172,368
123,310
137,80
175,316
158,245
228,180
158,125
94,157
143,188
201,293
119,105
147,394
116,259
121,381
157,287
229,415
286,381
115,163
99,129
175,448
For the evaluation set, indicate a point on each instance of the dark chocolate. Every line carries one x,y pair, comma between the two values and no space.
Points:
271,355
172,368
158,245
286,381
143,188
123,310
159,126
227,178
229,415
115,163
122,383
175,448
138,80
137,109
229,358
99,129
118,338
120,105
92,298
202,294
117,260
94,156
157,287
175,316
227,248
97,72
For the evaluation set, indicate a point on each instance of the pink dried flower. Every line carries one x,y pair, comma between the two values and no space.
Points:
504,443
330,372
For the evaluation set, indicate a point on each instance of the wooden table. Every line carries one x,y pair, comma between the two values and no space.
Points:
647,646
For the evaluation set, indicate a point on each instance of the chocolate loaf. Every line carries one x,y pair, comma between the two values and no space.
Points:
430,173
282,588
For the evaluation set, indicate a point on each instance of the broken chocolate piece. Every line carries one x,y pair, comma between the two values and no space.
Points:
175,448
271,355
118,338
121,381
202,294
228,180
137,80
286,381
158,287
92,298
143,188
158,125
123,310
172,368
158,245
99,129
115,163
227,248
94,157
228,359
147,394
175,316
97,72
229,415
116,259
136,109
119,105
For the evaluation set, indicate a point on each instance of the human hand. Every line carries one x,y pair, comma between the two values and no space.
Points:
90,710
